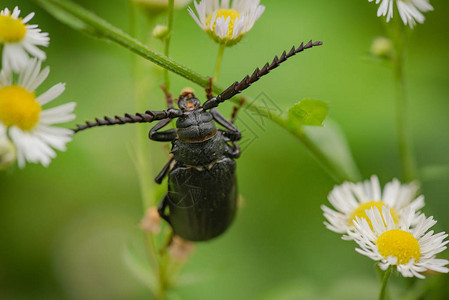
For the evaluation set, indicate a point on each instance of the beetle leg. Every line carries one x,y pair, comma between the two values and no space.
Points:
209,94
164,171
232,132
236,109
168,97
234,150
163,136
161,209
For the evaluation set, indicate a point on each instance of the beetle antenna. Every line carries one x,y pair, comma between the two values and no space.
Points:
147,117
237,87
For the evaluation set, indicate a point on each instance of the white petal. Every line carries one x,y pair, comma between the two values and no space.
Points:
212,21
58,114
195,18
15,13
51,94
224,4
56,141
30,148
28,18
29,74
34,51
14,57
423,5
37,81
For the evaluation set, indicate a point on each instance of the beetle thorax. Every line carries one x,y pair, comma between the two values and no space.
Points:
196,126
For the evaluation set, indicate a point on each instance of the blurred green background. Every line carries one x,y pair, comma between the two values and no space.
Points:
63,230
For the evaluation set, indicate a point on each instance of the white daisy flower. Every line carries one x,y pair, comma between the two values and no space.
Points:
27,124
409,10
411,250
17,38
224,23
352,199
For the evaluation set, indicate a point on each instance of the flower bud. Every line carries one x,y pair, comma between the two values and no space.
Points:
382,47
160,32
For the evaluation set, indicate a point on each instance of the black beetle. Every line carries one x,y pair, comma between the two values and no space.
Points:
202,186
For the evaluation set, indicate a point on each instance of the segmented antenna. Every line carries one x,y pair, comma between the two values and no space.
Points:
147,117
237,87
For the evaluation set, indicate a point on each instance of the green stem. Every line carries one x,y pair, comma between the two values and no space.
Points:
158,258
219,60
404,138
385,279
171,5
163,280
82,19
143,162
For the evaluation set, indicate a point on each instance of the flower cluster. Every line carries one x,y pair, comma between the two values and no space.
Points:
387,225
26,130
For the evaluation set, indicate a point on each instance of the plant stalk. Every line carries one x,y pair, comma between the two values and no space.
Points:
221,49
405,144
158,259
385,279
171,7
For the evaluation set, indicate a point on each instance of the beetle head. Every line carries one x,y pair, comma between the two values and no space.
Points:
187,101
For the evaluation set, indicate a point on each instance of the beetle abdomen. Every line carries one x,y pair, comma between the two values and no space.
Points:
202,203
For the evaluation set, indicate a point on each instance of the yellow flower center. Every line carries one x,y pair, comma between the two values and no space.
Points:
398,243
18,107
11,30
233,14
360,212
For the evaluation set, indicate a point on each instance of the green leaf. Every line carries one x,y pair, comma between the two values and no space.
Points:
332,142
308,112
